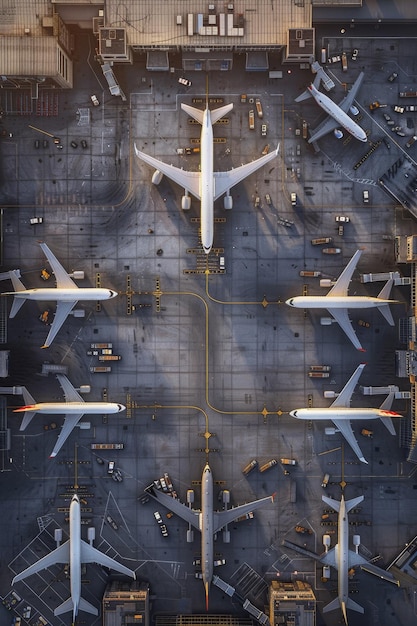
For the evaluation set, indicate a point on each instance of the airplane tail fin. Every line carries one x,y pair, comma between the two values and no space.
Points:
384,295
386,406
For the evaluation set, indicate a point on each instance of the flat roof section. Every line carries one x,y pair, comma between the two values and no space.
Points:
166,24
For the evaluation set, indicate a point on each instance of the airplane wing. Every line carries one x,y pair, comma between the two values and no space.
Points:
340,288
342,318
345,428
189,515
223,181
190,181
323,129
59,555
70,422
347,101
355,559
222,518
71,395
89,554
63,309
344,397
329,123
63,281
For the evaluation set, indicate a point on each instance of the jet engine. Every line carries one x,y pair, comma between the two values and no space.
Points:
157,177
228,202
338,133
186,203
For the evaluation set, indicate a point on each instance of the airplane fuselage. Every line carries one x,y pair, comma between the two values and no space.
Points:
68,408
66,295
75,552
332,109
206,526
336,302
340,413
207,182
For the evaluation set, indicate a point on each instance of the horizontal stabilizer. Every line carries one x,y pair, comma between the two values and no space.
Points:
87,607
304,96
387,421
16,306
196,114
332,606
386,290
351,504
335,504
217,114
354,606
386,312
27,418
17,284
66,606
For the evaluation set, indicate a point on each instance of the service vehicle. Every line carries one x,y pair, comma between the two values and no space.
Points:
100,370
110,467
325,482
112,523
321,240
250,466
36,220
84,144
331,250
268,199
107,446
243,98
303,530
164,530
365,196
109,357
45,275
288,462
100,346
392,77
263,130
310,273
293,199
344,62
411,141
185,81
318,375
244,517
268,465
259,108
320,368
342,219
367,433
95,100
251,116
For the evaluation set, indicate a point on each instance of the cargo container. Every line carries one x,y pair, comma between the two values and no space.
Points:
100,346
109,357
318,375
320,368
310,274
321,240
100,370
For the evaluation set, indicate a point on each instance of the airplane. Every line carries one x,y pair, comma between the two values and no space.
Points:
75,551
341,558
337,112
66,294
73,408
205,185
337,301
340,413
207,521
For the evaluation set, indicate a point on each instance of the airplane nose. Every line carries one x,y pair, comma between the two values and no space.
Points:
289,302
207,249
121,407
112,293
293,413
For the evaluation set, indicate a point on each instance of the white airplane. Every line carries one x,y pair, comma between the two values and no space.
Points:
66,294
205,185
337,301
341,558
75,551
73,408
207,521
340,413
337,112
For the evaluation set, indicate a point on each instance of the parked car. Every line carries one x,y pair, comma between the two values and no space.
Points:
392,77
